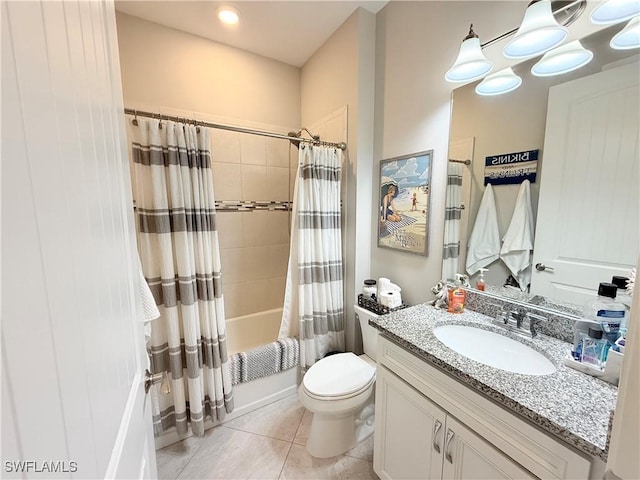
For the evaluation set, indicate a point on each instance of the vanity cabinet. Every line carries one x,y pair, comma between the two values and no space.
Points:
431,426
416,439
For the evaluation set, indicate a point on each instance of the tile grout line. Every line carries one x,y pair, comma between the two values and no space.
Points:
260,435
284,464
304,410
201,444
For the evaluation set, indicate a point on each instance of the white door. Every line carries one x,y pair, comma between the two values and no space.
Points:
73,403
468,456
588,215
409,431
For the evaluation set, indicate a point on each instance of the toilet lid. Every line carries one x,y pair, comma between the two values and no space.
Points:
338,375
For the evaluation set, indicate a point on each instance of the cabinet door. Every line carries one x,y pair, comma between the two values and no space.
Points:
467,456
408,441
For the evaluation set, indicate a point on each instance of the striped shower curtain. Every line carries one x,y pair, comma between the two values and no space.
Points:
316,250
178,243
453,212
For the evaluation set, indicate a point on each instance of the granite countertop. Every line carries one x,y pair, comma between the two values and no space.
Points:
568,404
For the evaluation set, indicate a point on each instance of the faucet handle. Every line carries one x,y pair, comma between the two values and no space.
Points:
534,321
520,315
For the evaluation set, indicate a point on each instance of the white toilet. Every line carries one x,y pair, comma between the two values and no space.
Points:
339,391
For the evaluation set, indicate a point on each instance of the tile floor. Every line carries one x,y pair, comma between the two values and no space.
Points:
265,444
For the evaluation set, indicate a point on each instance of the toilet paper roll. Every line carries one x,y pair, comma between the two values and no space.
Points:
385,285
390,299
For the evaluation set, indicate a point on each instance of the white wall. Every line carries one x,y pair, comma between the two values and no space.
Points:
416,43
163,67
339,74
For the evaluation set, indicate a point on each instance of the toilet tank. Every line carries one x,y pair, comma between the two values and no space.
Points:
369,333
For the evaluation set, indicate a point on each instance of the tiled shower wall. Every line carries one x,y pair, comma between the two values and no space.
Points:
254,246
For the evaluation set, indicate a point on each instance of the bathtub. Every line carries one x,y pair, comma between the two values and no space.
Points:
243,334
250,331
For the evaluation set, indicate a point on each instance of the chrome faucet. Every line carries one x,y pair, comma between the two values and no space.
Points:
534,322
516,320
518,315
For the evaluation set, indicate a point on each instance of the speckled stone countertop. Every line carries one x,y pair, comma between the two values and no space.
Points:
570,405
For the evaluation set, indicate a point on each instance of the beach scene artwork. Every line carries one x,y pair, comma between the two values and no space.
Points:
404,202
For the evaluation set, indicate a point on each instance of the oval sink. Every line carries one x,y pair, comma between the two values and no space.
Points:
493,349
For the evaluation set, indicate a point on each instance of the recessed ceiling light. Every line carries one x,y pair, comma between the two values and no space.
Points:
229,15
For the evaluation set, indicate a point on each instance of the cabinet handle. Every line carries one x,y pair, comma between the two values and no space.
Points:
447,446
436,428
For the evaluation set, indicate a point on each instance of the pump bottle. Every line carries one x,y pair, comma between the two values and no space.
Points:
457,296
480,282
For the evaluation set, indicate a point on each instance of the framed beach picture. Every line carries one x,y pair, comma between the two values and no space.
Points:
405,184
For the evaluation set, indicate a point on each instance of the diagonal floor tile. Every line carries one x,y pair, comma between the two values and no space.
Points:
300,466
303,430
278,420
233,454
363,451
171,460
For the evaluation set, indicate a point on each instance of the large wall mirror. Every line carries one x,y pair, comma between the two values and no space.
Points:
585,199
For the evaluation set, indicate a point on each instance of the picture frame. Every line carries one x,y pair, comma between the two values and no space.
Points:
404,202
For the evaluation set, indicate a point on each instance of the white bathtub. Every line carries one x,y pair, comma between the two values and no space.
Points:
250,331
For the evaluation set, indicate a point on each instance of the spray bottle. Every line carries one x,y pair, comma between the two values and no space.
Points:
457,295
480,282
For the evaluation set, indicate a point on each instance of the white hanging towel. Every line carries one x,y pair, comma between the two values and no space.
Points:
484,242
518,241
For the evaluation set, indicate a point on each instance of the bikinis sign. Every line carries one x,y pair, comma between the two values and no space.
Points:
404,206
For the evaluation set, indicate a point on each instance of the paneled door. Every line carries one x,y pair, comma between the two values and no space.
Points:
73,357
409,431
467,456
589,211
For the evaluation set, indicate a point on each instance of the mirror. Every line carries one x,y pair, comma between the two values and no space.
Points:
515,122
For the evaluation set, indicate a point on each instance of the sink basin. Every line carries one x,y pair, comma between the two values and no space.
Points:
493,349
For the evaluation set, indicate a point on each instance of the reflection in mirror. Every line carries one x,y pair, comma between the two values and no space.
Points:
603,231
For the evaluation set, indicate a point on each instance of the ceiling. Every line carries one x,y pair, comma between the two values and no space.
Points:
287,31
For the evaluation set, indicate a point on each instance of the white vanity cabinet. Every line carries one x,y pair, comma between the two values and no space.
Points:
431,426
416,439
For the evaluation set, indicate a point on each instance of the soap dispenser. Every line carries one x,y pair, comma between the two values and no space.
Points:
457,295
480,282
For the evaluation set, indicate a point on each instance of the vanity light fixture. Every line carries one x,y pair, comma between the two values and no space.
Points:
538,33
228,15
498,83
628,37
563,59
615,11
471,63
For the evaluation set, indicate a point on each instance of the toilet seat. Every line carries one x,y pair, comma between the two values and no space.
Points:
338,377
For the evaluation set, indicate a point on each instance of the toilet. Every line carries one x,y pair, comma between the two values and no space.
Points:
339,391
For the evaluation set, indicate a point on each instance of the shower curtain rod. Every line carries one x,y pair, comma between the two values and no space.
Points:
466,162
291,138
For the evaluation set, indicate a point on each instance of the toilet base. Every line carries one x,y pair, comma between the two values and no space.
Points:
332,435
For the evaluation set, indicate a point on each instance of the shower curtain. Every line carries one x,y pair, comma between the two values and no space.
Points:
178,242
314,294
453,211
